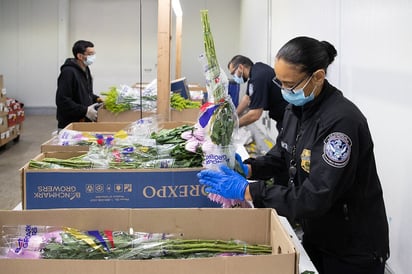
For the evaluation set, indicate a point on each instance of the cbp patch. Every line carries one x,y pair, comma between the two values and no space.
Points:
337,149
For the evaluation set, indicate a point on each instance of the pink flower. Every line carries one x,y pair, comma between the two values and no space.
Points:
199,133
191,145
187,135
54,235
194,138
23,254
208,146
36,242
228,203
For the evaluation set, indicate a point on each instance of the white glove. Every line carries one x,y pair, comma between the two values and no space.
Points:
92,112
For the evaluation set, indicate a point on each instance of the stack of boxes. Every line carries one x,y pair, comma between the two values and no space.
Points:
11,116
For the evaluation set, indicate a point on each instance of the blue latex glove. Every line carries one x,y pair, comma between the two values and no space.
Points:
240,166
226,182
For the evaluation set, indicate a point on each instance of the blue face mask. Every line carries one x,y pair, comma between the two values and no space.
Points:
298,97
238,79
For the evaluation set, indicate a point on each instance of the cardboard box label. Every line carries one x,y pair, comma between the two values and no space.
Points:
115,189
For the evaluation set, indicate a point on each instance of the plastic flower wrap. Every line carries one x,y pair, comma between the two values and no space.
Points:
68,137
141,145
125,98
48,242
218,116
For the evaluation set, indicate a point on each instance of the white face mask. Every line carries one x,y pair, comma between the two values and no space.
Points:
90,59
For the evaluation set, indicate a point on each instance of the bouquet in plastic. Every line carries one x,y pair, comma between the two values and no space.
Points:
218,117
125,98
141,145
50,242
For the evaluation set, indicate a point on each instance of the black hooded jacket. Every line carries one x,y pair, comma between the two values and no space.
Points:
335,194
74,93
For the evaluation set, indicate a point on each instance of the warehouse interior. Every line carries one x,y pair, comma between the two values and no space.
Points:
372,68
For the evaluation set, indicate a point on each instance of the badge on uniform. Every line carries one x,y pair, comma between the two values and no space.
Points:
305,160
337,149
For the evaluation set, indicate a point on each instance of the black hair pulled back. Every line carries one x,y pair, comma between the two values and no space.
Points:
308,53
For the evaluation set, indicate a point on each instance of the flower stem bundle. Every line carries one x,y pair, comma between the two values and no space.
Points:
32,242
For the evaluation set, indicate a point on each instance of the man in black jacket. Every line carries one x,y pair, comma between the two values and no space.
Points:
75,99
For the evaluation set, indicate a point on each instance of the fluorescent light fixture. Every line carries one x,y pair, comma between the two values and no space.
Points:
177,8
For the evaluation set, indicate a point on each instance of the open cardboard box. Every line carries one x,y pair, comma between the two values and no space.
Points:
254,226
114,188
132,115
104,115
108,127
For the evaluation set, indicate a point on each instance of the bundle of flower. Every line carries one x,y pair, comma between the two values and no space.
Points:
168,149
218,116
127,98
177,102
44,242
68,137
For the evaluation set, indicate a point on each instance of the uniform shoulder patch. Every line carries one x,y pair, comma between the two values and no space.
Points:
337,149
251,91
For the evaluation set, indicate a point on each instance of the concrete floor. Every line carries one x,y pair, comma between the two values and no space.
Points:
36,130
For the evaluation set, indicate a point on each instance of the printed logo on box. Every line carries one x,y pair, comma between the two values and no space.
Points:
57,192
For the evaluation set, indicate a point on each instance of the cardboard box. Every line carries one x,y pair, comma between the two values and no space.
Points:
53,145
104,115
98,127
185,115
114,188
3,122
254,226
10,134
2,90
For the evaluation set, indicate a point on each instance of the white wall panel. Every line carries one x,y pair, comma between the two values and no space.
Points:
376,57
372,69
37,36
28,50
114,28
224,23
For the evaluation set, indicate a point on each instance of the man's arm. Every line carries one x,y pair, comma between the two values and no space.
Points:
250,117
243,105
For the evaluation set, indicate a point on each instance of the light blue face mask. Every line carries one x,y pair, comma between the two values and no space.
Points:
90,59
238,79
298,97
